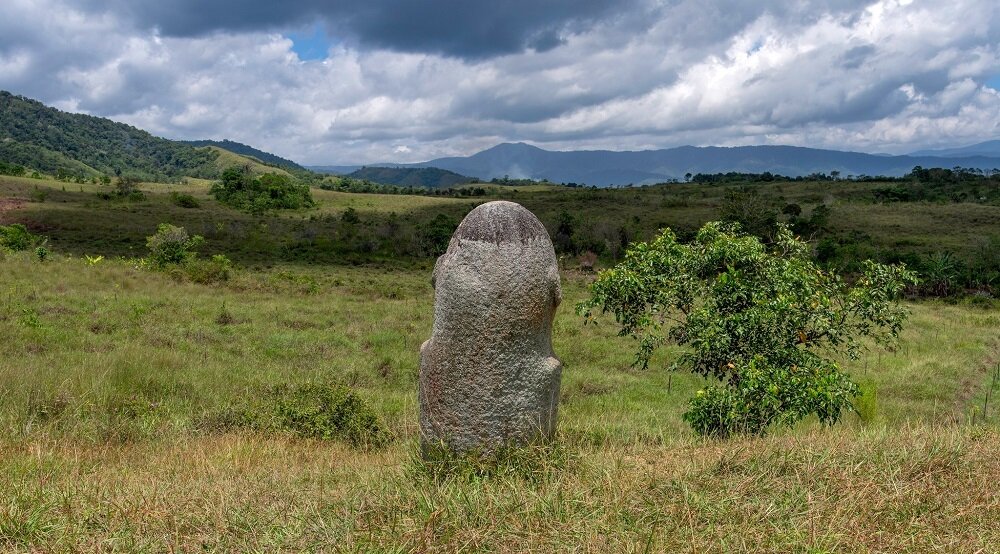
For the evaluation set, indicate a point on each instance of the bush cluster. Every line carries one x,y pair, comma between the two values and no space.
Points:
172,250
313,410
241,189
16,237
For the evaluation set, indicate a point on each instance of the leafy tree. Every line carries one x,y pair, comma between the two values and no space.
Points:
127,186
762,321
14,170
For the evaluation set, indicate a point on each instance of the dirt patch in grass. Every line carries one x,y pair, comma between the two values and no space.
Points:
9,205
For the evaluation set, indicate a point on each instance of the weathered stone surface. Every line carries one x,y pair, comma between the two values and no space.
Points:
488,376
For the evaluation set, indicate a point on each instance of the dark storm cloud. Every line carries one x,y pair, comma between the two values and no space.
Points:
461,28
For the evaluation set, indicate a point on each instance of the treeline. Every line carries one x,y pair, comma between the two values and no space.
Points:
346,184
14,170
918,174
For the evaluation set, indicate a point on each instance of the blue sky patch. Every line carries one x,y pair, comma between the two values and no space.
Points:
994,83
311,44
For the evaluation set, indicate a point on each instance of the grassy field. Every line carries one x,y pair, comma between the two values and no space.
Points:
78,221
112,380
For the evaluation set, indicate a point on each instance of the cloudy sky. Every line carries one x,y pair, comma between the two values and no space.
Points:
355,81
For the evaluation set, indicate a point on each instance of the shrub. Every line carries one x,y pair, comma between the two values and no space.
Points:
184,200
750,210
764,396
16,237
216,269
314,410
350,216
757,318
436,234
127,188
40,195
587,261
12,169
172,250
241,189
172,245
327,412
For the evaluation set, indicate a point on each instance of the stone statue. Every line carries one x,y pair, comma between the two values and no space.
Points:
488,376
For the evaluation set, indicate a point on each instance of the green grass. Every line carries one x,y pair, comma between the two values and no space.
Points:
111,378
79,222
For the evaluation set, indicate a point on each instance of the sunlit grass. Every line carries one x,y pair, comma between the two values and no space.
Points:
108,375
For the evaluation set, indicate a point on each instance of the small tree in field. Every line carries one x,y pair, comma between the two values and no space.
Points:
171,245
762,320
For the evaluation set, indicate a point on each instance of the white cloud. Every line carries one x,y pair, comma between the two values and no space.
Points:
889,76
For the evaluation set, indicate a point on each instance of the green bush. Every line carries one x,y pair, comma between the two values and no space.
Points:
436,234
171,245
327,412
216,269
765,396
757,318
17,238
184,200
241,189
314,410
172,250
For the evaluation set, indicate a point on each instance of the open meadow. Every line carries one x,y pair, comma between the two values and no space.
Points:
118,387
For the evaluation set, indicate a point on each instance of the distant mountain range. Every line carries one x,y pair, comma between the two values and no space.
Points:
990,148
423,177
343,169
603,167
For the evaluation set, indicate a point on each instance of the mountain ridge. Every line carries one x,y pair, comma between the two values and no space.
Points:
421,177
990,148
607,167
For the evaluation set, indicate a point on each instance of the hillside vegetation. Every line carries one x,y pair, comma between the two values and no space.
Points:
265,158
51,141
421,177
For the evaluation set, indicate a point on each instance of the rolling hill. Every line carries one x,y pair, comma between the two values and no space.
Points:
49,140
265,158
604,167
